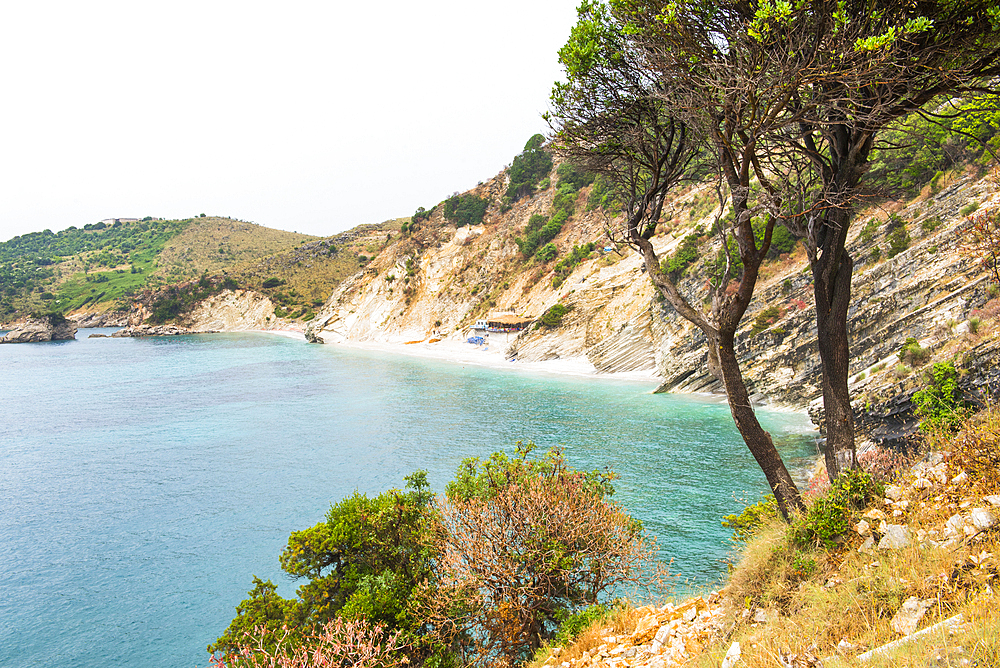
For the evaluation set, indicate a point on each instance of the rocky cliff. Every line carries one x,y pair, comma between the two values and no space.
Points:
438,281
226,311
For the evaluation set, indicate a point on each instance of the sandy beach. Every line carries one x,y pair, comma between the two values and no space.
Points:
459,351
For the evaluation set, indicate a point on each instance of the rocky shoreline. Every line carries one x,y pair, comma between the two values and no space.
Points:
39,330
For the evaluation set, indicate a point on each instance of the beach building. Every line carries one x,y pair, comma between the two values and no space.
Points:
504,322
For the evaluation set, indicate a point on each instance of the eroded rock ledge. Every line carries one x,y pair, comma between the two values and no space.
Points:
41,330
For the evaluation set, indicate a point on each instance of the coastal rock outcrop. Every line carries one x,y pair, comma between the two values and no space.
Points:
87,320
232,311
227,311
157,330
41,329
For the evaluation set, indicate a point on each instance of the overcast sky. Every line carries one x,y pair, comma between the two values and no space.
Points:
301,115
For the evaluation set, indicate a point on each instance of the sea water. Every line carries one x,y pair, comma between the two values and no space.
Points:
144,481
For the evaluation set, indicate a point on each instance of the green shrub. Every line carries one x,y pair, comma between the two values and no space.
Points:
969,208
465,209
936,182
554,315
939,405
746,523
421,214
869,231
547,252
899,237
765,319
363,562
829,517
603,195
912,353
572,177
685,255
928,225
782,241
527,169
572,624
272,282
566,265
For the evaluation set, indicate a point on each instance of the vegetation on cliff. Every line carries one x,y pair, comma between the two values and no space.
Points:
893,565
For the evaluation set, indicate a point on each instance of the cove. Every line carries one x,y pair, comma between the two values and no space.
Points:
143,481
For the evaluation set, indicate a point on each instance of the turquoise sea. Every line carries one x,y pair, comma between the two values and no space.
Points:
143,481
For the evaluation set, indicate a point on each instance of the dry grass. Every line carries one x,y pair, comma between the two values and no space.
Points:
853,596
835,604
621,622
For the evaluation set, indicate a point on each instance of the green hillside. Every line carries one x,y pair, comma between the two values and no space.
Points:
102,267
47,271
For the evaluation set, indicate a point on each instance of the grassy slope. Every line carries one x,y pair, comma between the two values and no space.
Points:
104,278
212,244
310,272
834,603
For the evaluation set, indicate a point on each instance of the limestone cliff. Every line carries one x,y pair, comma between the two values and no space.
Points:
436,282
225,311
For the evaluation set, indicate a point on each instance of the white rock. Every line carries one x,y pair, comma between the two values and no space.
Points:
868,546
982,518
922,483
953,527
732,656
894,492
940,473
992,500
874,515
845,647
960,478
661,636
863,528
909,615
895,536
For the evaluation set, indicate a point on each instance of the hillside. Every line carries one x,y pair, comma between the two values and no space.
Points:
86,273
210,244
913,279
894,567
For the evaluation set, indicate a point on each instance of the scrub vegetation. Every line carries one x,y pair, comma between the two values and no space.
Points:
482,575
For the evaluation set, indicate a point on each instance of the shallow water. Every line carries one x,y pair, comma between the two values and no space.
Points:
143,481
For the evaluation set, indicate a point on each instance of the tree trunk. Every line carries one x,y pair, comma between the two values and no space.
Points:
756,437
832,267
832,290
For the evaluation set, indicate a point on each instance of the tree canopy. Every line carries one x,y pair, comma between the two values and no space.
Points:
787,99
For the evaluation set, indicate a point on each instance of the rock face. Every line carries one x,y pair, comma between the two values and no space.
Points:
233,311
40,330
107,319
157,330
443,279
228,311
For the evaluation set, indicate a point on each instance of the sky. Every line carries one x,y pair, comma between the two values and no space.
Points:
300,115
